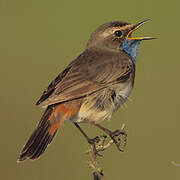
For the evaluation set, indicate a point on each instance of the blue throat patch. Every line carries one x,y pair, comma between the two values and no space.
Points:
131,48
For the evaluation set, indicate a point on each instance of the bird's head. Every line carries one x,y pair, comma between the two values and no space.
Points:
117,35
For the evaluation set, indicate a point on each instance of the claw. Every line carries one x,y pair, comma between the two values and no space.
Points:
115,136
94,140
119,132
93,143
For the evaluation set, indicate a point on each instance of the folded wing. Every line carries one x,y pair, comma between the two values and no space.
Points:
89,73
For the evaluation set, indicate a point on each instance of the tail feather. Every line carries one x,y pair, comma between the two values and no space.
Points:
50,122
43,146
39,139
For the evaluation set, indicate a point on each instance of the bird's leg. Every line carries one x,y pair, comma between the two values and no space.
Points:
92,141
114,135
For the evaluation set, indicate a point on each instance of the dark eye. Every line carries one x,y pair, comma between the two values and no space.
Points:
118,33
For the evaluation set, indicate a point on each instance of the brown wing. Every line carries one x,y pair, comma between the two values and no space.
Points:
52,86
89,73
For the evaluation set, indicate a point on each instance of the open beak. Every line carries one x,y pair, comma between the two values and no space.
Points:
134,28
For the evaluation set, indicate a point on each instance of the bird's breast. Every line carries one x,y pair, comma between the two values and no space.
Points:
122,93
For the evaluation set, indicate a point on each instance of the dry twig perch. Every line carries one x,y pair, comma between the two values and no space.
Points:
100,146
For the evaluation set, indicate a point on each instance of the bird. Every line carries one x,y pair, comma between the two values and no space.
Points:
91,88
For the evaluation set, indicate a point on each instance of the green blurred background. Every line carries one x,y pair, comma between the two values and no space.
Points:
39,38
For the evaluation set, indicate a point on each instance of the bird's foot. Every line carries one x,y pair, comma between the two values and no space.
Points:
116,137
93,143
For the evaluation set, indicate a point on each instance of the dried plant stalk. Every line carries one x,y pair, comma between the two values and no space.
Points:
93,162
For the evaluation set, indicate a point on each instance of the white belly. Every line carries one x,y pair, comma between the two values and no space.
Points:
100,106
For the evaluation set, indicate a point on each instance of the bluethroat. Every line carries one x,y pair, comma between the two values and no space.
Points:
91,88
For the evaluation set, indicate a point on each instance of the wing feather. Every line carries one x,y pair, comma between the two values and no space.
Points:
89,73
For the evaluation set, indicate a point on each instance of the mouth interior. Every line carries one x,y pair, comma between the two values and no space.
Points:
134,29
129,36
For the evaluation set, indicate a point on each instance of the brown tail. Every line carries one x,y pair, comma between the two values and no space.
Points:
50,122
41,137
